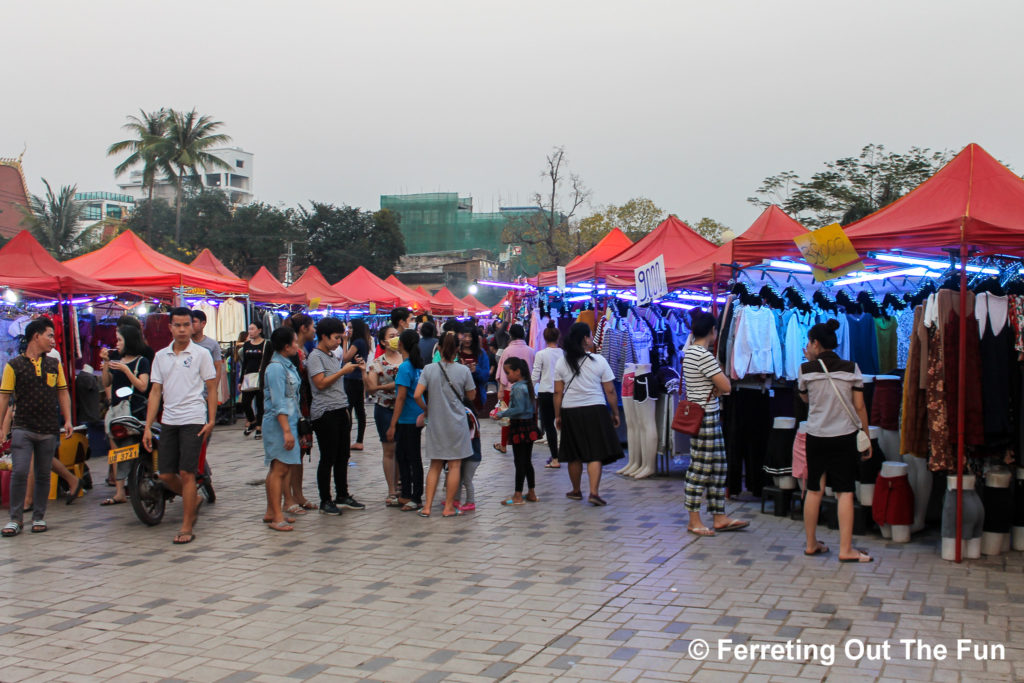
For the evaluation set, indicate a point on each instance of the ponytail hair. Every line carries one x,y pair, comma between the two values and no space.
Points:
449,346
410,341
574,351
701,323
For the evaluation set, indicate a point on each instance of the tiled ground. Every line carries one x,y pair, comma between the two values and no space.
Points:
552,591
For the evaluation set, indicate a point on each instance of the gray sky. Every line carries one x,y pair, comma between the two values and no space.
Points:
688,103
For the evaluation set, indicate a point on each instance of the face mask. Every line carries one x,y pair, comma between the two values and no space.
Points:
393,343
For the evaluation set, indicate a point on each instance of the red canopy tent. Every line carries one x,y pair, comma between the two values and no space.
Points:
364,287
770,236
447,303
582,267
313,285
266,288
416,299
128,263
973,198
27,267
211,264
673,239
474,306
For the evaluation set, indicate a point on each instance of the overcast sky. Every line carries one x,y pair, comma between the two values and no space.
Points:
688,103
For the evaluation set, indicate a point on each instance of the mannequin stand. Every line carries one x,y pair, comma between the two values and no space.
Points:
1017,531
893,502
995,539
972,520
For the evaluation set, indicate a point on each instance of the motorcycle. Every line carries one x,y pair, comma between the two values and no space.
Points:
145,491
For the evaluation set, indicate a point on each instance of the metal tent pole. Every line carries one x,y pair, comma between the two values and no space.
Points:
961,392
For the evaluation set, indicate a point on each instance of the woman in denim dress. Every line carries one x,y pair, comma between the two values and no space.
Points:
280,423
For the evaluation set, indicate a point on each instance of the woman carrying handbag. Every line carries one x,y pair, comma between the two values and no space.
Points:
705,382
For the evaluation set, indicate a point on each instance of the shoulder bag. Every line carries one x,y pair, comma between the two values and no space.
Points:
863,440
689,416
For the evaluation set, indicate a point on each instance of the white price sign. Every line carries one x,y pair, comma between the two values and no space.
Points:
650,281
561,277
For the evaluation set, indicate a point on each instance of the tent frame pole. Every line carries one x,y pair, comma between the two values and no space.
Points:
961,395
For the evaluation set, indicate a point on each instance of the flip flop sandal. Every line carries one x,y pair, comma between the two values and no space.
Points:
78,490
822,549
190,537
510,501
410,507
289,520
734,525
457,513
862,558
113,501
701,531
549,466
423,513
280,526
295,509
309,505
10,529
39,527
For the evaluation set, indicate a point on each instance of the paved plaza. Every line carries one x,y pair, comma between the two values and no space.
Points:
557,590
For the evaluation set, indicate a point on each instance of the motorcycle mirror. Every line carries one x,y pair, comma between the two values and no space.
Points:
123,392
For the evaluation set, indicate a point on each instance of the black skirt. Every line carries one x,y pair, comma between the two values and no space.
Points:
588,436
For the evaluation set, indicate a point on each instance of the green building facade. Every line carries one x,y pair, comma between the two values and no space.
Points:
444,221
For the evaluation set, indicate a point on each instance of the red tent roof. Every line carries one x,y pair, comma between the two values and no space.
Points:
26,266
419,301
266,288
673,239
447,303
973,194
129,263
423,292
313,285
211,264
364,287
475,307
770,236
582,267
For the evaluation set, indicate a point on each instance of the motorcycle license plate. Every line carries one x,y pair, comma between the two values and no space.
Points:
122,454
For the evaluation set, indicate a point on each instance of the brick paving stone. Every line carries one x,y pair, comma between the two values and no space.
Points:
553,591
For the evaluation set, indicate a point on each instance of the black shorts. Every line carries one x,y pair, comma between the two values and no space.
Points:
834,456
180,446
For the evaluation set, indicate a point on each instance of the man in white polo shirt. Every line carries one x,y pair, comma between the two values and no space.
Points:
179,375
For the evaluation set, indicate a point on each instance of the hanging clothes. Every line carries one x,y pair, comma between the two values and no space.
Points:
886,338
799,325
863,342
230,321
904,332
998,366
757,349
914,425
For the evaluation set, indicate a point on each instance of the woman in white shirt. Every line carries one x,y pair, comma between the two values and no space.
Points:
584,390
543,377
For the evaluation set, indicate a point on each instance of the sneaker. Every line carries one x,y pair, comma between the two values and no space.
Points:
329,508
350,503
468,507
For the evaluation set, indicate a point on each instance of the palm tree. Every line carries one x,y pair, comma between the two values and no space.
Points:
149,130
54,220
185,147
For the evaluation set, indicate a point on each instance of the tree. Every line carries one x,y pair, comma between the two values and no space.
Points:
849,188
635,218
548,231
54,221
149,130
712,230
185,148
339,239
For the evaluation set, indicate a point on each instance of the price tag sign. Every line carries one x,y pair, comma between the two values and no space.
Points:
829,252
561,277
373,308
314,304
650,281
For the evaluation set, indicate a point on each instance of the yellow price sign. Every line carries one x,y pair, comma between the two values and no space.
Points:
373,308
314,304
829,252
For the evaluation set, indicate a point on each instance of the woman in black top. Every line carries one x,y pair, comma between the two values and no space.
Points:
251,360
362,342
126,367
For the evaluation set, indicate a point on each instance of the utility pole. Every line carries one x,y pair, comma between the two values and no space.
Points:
288,264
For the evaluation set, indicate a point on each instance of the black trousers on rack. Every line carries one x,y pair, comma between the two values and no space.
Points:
750,423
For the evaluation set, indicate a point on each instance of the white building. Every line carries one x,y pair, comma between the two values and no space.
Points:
103,205
236,183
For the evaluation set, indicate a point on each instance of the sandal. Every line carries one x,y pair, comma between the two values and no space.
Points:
700,531
290,520
532,498
423,512
113,501
574,495
549,466
295,509
862,558
76,492
498,447
733,525
596,500
248,430
308,505
38,526
457,513
356,447
280,526
187,536
11,529
410,507
513,501
821,549
259,435
392,502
